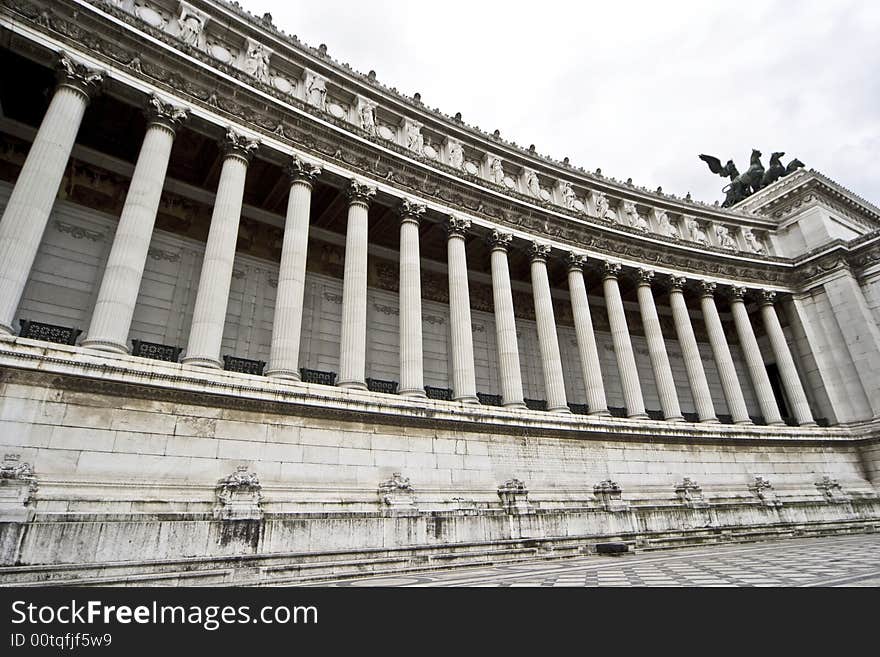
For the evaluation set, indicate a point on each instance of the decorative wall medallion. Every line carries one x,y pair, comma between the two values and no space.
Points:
336,110
150,16
220,53
385,132
471,168
544,195
509,182
430,152
282,84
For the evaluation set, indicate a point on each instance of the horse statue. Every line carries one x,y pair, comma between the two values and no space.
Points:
728,170
775,171
793,166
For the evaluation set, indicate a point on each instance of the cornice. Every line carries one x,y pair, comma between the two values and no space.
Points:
347,148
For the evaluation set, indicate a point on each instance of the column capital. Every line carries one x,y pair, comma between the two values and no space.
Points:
539,252
646,277
301,171
457,226
576,261
677,283
360,192
499,241
611,269
72,73
738,292
708,289
768,297
409,210
238,145
164,113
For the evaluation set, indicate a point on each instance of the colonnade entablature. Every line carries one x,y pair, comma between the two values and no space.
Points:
255,63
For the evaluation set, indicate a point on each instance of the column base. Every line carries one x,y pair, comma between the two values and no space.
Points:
467,400
560,410
285,375
6,331
602,412
415,393
104,345
515,404
677,418
352,385
196,362
639,416
776,424
743,422
710,420
809,424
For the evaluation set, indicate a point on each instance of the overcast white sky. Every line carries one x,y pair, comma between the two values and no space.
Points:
636,88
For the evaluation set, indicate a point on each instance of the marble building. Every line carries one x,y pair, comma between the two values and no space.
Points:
265,319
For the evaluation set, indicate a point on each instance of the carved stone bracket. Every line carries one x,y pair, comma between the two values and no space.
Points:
610,495
763,490
239,496
515,497
17,487
832,491
397,494
690,493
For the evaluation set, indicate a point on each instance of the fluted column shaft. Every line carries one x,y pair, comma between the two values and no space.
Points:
464,382
353,342
505,323
548,341
800,407
586,337
657,349
212,299
736,403
754,360
287,322
693,362
114,309
27,212
623,350
412,380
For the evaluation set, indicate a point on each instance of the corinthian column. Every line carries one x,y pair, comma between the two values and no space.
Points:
586,337
27,212
353,343
754,360
548,341
505,322
209,315
626,360
412,381
657,349
114,308
464,382
736,404
800,407
693,362
287,323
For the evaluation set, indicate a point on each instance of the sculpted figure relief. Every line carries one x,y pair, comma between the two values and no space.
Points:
191,24
667,228
497,171
316,91
752,242
366,110
414,139
532,184
698,235
456,154
256,62
568,196
602,207
725,239
633,217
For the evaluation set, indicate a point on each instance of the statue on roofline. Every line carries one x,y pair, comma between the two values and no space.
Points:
743,185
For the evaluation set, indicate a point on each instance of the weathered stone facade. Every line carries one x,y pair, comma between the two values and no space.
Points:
263,319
